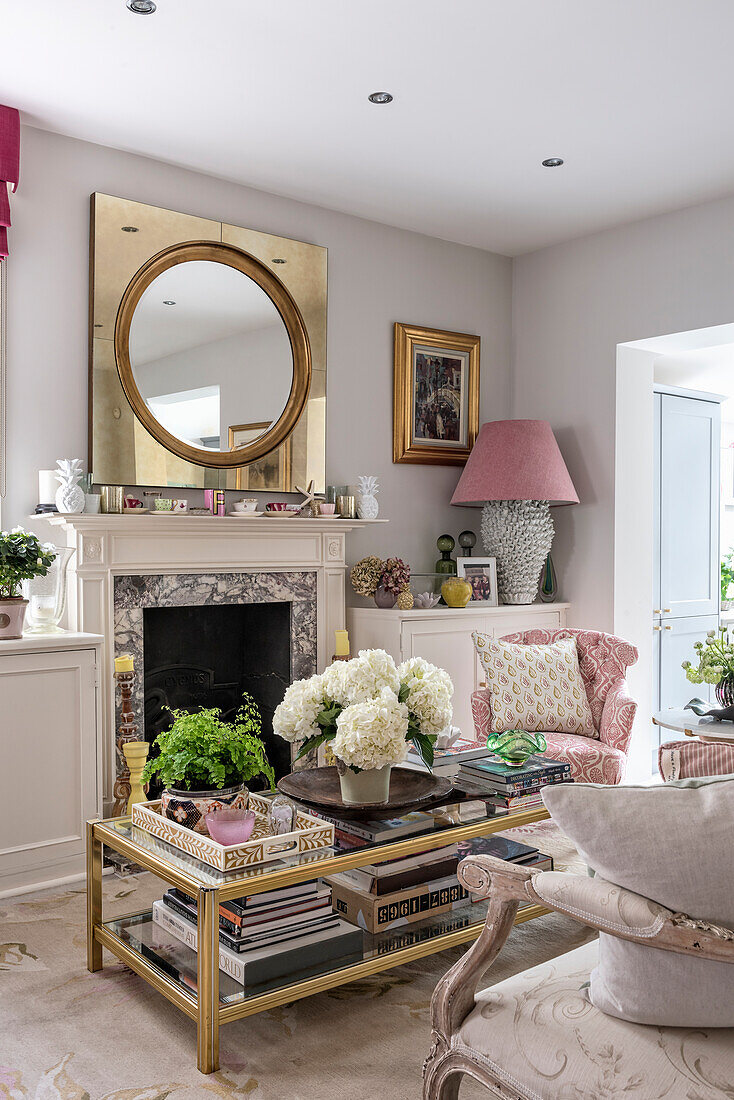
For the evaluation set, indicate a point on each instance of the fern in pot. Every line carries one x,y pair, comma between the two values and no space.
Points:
22,557
205,763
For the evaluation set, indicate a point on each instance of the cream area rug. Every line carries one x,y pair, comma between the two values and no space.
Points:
66,1034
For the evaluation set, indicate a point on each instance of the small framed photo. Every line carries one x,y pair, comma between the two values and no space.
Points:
436,395
482,576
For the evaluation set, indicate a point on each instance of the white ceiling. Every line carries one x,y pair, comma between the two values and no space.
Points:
634,94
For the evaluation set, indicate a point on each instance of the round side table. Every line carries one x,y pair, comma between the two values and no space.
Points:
688,723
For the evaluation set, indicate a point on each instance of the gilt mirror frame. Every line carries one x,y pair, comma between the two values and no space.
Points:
290,314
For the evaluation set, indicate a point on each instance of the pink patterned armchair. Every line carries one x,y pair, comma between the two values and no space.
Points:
604,660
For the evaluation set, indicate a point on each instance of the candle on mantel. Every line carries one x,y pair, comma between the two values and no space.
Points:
124,663
342,645
48,483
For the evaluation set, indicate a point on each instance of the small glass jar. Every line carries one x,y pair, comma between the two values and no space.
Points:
281,815
47,596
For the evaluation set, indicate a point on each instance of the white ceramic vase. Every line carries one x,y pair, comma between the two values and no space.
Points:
364,788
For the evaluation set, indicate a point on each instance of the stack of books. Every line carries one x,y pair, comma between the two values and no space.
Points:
268,935
512,788
447,761
382,896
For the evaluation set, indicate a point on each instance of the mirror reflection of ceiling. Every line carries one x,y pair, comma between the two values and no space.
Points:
209,350
215,368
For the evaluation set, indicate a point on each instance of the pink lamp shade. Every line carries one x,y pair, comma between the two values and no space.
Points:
9,168
515,460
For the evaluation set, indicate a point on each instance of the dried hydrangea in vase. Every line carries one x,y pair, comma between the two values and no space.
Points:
367,710
393,579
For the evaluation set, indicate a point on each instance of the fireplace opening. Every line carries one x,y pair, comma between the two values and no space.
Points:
208,657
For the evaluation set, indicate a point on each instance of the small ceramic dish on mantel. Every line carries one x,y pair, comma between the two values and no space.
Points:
245,515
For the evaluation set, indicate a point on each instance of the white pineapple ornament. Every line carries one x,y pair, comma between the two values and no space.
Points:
367,506
69,495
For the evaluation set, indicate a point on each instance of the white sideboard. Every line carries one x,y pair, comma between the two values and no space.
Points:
443,637
50,782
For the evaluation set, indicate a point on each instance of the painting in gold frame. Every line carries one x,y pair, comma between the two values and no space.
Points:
436,395
272,471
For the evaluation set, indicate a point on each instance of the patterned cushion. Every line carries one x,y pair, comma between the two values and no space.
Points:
603,659
591,760
538,1033
692,759
535,687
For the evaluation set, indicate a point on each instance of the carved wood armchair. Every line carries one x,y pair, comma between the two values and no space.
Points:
537,1036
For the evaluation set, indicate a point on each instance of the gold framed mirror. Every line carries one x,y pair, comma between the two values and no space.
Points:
269,319
247,298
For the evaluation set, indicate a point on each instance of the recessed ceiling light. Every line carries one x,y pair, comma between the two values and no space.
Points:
168,302
380,97
141,7
280,261
552,162
129,228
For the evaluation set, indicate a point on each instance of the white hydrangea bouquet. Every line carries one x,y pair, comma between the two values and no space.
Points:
368,709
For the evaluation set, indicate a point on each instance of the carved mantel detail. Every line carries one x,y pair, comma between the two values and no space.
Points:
114,546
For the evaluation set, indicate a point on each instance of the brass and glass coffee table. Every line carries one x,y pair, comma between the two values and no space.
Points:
194,984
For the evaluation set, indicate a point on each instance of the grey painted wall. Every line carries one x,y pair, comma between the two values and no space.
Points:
572,304
377,275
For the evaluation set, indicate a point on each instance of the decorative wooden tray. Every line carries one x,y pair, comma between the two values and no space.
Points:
310,833
409,790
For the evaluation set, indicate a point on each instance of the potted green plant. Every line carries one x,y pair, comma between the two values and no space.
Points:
205,762
715,657
22,557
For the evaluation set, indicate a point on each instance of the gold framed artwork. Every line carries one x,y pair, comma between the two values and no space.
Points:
272,471
436,395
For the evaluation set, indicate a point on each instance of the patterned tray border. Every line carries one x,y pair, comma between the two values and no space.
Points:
310,833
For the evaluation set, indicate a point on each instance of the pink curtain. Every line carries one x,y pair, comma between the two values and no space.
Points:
9,168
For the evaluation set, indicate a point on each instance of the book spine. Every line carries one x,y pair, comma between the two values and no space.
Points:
227,930
529,783
187,933
349,828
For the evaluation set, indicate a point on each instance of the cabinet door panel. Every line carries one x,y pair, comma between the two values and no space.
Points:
689,513
48,785
449,646
676,645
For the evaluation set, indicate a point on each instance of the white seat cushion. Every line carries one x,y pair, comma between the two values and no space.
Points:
540,1035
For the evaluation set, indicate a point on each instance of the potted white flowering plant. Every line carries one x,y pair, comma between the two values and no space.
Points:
368,710
22,557
715,658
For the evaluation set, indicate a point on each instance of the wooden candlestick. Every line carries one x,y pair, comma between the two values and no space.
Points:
136,753
127,732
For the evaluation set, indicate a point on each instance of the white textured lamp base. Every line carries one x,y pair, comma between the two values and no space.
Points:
519,534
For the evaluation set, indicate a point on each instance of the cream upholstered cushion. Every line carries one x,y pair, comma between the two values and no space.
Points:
539,1034
672,844
535,687
633,982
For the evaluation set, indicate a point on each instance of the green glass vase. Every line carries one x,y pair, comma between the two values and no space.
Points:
515,746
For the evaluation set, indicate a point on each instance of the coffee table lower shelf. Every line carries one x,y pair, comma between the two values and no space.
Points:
126,939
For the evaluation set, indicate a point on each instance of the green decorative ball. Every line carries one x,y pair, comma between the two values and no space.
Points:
445,543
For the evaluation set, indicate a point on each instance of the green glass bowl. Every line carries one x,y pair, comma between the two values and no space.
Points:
515,746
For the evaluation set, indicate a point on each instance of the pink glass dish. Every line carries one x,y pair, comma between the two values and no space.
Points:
228,826
277,506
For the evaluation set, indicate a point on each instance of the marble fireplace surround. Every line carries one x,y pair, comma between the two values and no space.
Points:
123,562
133,594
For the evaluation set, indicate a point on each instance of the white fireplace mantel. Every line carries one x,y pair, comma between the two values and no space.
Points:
109,546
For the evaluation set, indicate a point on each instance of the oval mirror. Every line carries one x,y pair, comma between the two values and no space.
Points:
212,354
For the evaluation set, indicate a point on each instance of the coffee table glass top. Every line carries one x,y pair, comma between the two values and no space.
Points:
447,821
